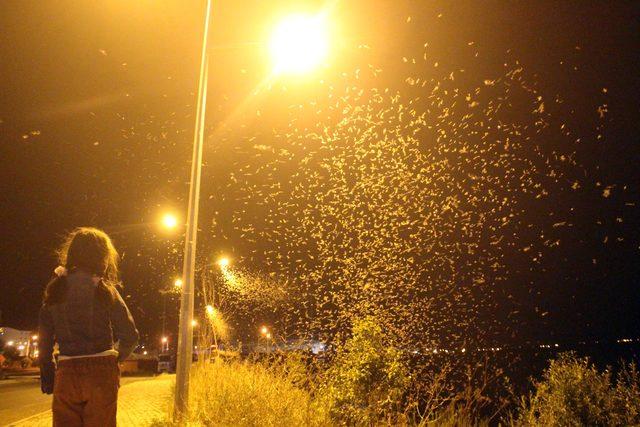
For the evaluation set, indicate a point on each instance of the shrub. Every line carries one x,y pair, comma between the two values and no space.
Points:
367,380
573,392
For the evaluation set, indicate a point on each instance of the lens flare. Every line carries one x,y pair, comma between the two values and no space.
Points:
169,221
299,43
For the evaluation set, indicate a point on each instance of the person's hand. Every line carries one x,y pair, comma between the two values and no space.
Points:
47,379
46,387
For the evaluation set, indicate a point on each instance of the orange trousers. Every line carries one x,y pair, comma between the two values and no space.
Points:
85,392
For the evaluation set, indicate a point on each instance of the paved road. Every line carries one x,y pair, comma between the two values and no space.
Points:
20,397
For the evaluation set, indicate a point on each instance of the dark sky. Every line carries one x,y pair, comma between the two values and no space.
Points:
96,123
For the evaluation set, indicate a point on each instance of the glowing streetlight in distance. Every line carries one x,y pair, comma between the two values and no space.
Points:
178,283
164,340
299,43
10,343
264,330
194,323
223,262
34,337
268,335
210,310
169,221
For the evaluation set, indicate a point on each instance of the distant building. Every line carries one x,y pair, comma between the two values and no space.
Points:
25,342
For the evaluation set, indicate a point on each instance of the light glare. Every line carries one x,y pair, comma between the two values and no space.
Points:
299,43
169,221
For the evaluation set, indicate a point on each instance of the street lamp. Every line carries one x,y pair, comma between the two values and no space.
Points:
177,284
169,221
298,44
223,262
210,310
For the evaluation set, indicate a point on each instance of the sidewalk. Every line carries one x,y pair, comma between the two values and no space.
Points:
139,403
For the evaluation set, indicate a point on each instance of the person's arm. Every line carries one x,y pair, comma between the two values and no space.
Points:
45,350
124,329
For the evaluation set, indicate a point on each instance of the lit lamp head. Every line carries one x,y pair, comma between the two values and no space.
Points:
178,283
164,340
264,330
223,262
210,310
299,43
169,221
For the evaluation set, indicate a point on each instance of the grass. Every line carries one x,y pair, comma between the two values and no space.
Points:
243,393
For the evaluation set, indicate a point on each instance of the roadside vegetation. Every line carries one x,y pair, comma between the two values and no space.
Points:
573,392
368,382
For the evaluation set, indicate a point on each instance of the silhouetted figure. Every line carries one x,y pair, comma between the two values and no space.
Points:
85,315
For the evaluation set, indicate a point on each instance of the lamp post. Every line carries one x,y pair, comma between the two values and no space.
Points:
298,44
185,330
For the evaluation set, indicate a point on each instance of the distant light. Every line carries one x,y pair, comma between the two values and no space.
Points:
194,323
20,347
164,340
36,353
299,43
178,283
223,262
169,221
9,343
34,337
264,330
268,335
144,352
210,310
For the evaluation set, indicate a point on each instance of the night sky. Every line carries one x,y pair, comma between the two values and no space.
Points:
97,103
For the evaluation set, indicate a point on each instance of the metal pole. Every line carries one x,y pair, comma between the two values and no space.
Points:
164,313
185,331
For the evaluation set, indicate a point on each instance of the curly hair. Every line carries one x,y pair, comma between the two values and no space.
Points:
90,250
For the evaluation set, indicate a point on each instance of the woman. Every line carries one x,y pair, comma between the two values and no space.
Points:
85,315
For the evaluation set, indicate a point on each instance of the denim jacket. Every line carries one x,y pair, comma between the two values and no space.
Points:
83,324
